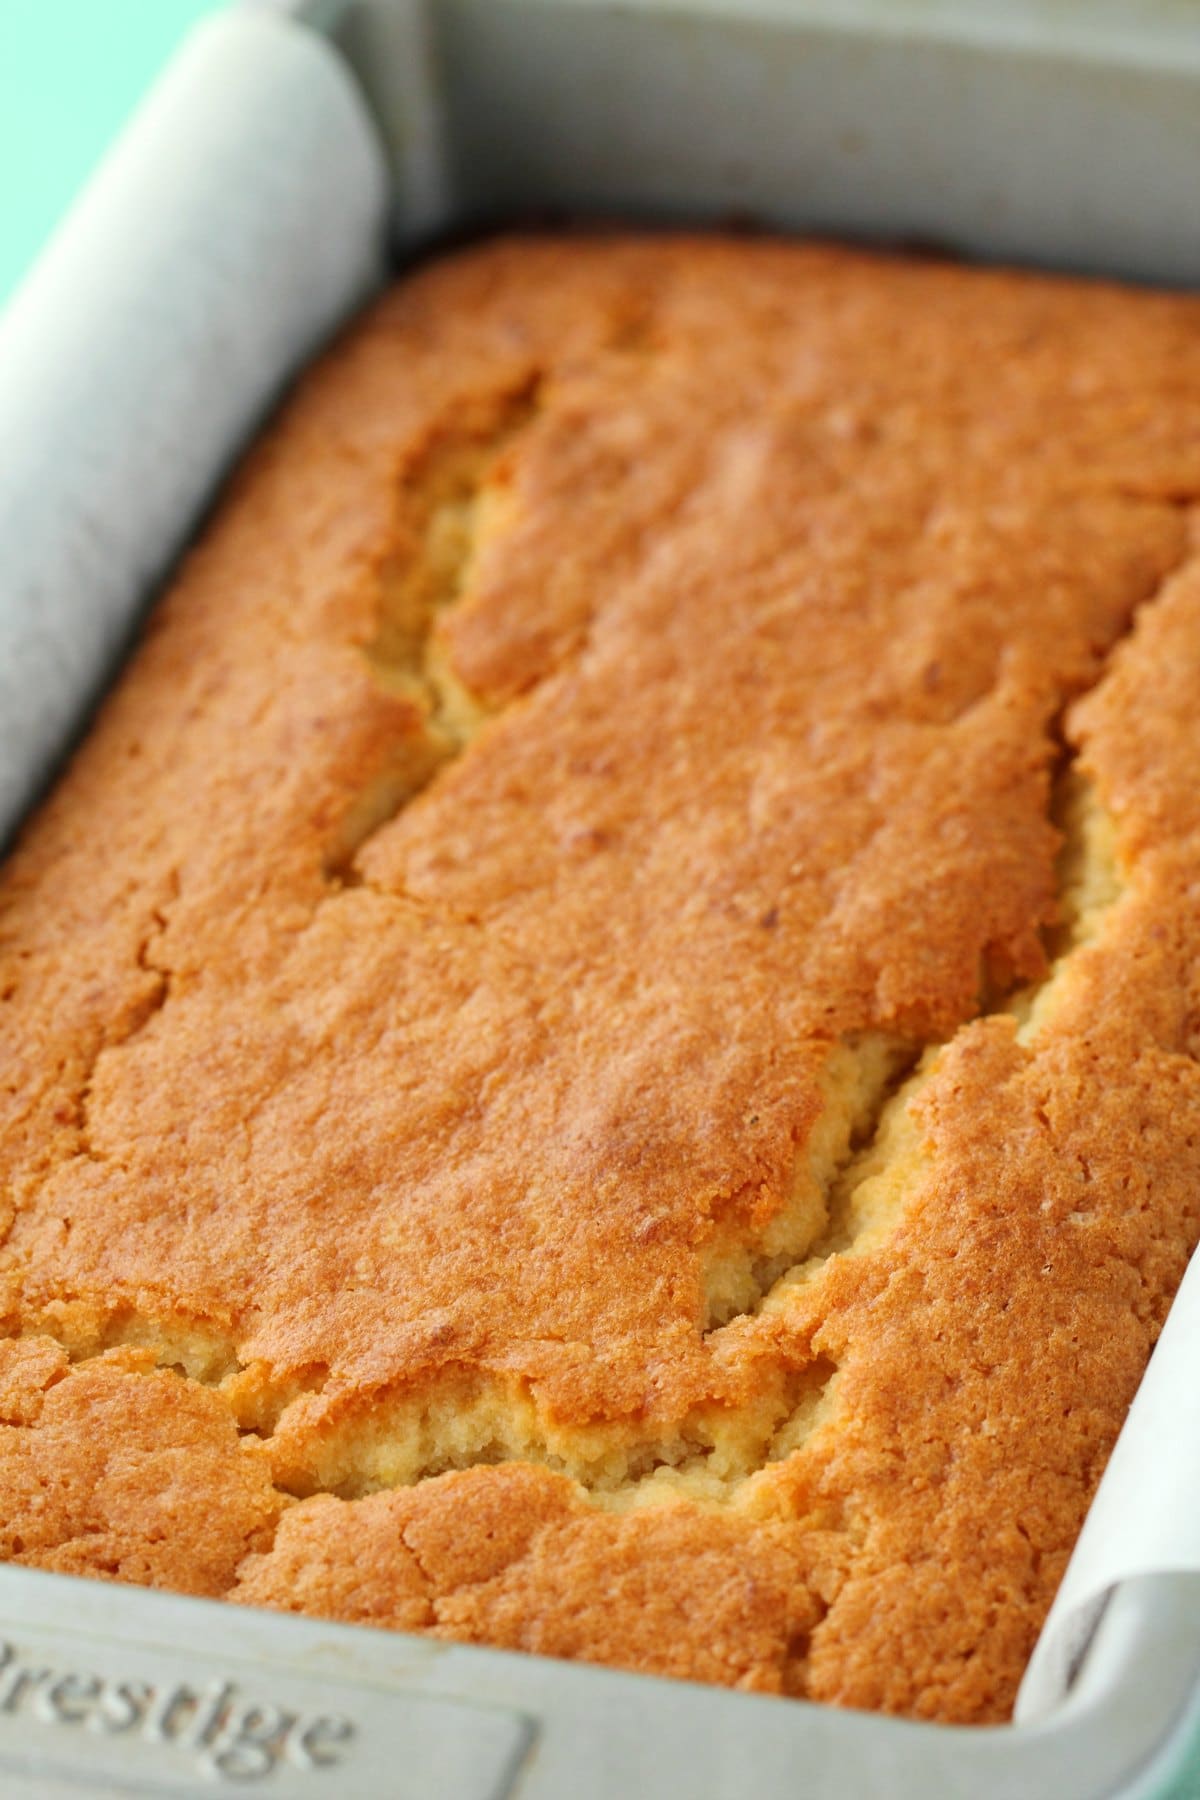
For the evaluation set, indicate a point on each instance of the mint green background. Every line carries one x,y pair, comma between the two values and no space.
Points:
71,71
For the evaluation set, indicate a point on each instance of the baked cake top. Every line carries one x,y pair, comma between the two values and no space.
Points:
630,933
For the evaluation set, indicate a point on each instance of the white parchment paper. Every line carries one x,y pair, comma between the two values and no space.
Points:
1145,1519
240,217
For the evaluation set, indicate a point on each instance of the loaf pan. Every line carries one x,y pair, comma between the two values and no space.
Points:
1059,134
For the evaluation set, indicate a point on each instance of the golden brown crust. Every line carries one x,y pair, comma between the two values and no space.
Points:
511,1556
119,1470
607,732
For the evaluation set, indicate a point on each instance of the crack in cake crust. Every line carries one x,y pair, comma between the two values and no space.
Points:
445,500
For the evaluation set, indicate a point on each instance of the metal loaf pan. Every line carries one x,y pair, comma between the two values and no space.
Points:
1066,134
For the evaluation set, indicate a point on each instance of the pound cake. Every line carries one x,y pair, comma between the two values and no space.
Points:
599,1046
